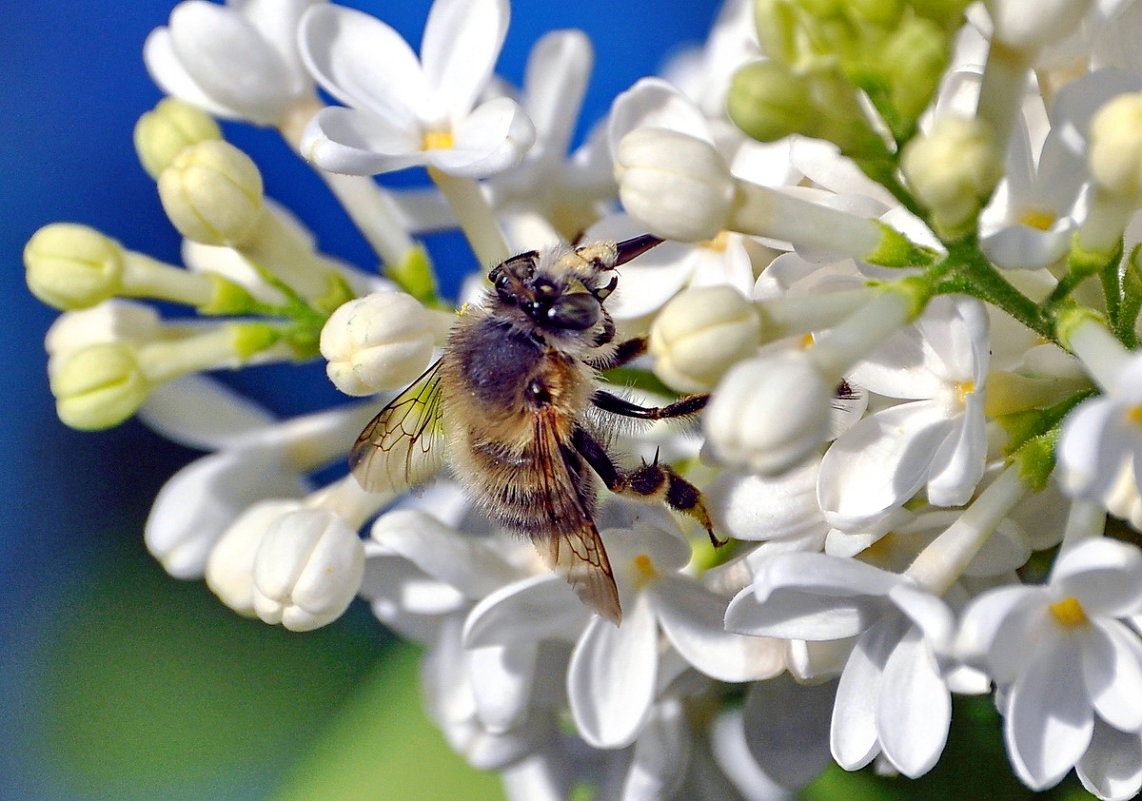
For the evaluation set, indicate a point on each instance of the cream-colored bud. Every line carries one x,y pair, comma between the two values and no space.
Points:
1116,146
71,266
953,171
99,386
212,192
379,342
230,566
700,334
674,185
307,569
1030,26
113,320
161,134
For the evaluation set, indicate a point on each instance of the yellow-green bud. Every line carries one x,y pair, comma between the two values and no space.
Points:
700,334
1116,146
953,171
71,266
948,14
914,59
173,125
212,192
99,386
768,102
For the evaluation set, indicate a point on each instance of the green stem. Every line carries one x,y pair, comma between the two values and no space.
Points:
884,173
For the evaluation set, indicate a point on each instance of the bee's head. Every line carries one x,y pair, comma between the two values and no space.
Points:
563,288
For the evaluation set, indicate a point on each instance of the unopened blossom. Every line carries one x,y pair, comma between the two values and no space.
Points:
379,342
163,133
237,60
229,571
212,192
1064,658
401,111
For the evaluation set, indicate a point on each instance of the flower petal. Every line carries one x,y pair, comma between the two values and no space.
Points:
853,734
539,607
761,508
1001,628
501,684
494,137
959,462
653,103
1048,718
692,618
1112,669
363,63
167,70
661,754
914,707
200,412
554,83
791,749
462,40
1111,768
355,142
230,61
1104,575
610,681
880,463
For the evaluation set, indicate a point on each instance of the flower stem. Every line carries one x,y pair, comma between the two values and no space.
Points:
475,215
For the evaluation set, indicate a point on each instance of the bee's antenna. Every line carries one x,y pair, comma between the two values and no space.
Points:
636,246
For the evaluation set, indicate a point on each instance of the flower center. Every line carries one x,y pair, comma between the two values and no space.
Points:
1069,611
1134,415
963,389
1037,218
644,570
719,243
437,140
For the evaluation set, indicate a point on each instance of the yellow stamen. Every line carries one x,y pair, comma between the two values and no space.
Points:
963,389
718,243
1038,219
437,140
645,569
1134,415
1069,611
806,341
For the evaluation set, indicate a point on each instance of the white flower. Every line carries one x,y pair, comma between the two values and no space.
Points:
936,440
891,699
230,567
237,60
1062,657
613,676
403,111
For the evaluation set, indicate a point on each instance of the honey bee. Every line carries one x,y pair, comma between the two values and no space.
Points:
509,407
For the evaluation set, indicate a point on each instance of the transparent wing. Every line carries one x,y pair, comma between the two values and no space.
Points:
403,445
572,547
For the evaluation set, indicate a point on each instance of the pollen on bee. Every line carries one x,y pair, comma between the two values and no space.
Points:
437,140
1069,611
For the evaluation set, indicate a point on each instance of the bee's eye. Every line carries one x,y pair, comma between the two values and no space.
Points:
577,312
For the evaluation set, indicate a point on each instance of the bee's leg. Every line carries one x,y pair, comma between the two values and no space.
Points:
652,481
691,404
625,352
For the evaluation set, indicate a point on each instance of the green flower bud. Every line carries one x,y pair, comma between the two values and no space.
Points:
71,266
768,102
212,192
161,134
99,386
913,61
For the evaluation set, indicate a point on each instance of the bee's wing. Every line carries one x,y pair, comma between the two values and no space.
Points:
403,445
573,547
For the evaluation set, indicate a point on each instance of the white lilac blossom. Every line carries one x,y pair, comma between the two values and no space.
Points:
902,258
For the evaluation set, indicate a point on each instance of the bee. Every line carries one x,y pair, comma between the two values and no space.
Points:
513,405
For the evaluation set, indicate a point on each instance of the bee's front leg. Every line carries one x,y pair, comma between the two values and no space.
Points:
653,481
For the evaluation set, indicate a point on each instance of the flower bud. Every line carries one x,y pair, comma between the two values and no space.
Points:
700,334
99,386
308,568
674,185
769,414
212,193
161,134
113,320
71,266
912,63
230,566
379,342
768,102
1030,26
953,170
1116,146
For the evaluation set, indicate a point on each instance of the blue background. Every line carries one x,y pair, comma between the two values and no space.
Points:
92,635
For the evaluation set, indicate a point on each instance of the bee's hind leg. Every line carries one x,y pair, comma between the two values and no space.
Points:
649,481
691,404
